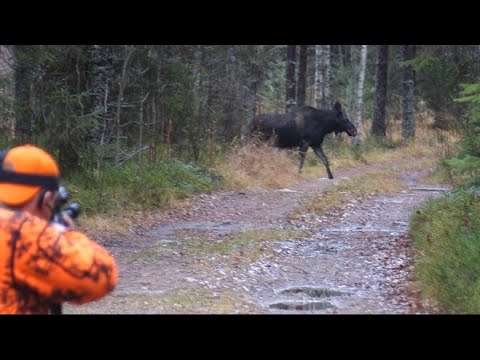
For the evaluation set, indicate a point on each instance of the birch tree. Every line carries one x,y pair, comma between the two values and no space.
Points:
322,76
101,74
359,96
326,78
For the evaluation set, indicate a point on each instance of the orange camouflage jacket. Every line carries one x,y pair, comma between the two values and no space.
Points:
43,263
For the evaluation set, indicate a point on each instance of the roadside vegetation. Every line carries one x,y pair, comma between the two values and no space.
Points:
446,232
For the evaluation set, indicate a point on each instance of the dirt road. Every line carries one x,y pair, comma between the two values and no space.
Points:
243,252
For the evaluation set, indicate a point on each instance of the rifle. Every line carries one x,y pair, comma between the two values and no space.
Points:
73,211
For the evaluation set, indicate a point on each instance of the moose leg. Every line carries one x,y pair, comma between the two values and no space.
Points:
318,150
303,151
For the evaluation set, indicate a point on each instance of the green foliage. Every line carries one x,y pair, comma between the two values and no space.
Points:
271,93
381,142
470,94
470,144
446,237
440,71
143,186
466,164
447,231
191,97
436,78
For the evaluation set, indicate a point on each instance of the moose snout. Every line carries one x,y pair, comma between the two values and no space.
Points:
352,132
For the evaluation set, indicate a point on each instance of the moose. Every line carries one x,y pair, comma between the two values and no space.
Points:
303,127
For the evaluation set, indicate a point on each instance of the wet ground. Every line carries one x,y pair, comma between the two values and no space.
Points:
241,252
353,265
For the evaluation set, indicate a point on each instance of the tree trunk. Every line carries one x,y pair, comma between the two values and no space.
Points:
141,125
346,55
326,102
290,76
477,58
408,94
229,91
302,72
123,82
354,78
318,76
253,81
379,123
100,73
22,78
7,114
359,96
161,119
322,76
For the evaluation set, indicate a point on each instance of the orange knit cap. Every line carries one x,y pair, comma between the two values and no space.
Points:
21,162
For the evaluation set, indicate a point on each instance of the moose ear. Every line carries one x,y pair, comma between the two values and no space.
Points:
337,106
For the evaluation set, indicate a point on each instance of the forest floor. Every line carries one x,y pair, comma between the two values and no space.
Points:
242,252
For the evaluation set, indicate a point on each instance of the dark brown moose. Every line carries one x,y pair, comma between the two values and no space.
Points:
302,128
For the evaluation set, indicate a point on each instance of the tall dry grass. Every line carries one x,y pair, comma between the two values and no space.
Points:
259,165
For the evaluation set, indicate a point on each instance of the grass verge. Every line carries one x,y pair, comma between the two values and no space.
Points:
446,235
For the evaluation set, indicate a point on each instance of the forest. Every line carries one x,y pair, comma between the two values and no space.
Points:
135,127
101,105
